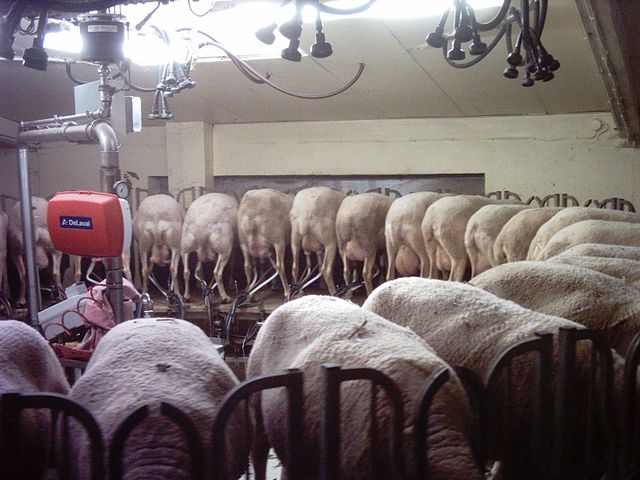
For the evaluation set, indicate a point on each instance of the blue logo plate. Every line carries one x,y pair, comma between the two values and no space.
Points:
82,223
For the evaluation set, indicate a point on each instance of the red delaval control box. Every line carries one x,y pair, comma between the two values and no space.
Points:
90,224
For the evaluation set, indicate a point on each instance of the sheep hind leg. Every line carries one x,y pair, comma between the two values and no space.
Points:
327,268
280,267
218,272
186,273
367,272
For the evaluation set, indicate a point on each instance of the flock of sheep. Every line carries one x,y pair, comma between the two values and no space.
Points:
565,268
424,233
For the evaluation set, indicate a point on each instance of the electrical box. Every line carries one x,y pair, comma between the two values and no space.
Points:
89,224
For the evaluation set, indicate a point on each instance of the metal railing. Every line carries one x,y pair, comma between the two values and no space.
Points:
564,200
570,430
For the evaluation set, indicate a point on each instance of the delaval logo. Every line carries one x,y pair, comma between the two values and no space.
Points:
82,223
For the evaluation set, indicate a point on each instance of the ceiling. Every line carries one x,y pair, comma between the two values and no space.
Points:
403,79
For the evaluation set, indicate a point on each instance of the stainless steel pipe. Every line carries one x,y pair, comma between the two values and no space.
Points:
99,131
33,280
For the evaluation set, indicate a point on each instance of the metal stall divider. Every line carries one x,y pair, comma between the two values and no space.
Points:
498,429
421,421
566,403
629,466
334,375
12,404
292,381
129,424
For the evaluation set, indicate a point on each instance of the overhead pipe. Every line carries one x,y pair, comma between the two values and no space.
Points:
99,131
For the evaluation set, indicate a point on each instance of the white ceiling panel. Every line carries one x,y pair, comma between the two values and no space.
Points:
403,79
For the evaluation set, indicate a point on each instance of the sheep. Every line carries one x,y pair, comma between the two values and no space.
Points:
360,232
512,243
43,244
593,299
4,232
209,229
469,327
443,228
621,268
145,362
402,229
313,226
482,230
592,231
572,215
263,225
28,366
157,227
603,250
310,331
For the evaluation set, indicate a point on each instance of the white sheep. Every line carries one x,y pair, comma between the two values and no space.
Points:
313,227
469,327
43,244
443,229
360,232
153,360
604,250
157,227
621,268
592,231
572,215
308,332
512,243
264,228
402,229
591,298
482,230
209,229
4,232
29,366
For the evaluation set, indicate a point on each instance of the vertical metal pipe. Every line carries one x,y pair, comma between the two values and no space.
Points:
33,281
113,269
104,134
330,423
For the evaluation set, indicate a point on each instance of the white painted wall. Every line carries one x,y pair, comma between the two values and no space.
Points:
532,155
578,154
63,166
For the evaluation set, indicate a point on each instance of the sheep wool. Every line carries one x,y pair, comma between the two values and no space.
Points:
148,361
313,330
621,268
29,365
591,298
572,215
469,327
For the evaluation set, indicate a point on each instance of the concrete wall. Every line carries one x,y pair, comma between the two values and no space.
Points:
579,154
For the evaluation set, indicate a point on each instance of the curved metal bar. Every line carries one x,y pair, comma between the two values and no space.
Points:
292,381
421,420
194,443
632,360
334,375
474,388
564,411
542,403
12,403
116,452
